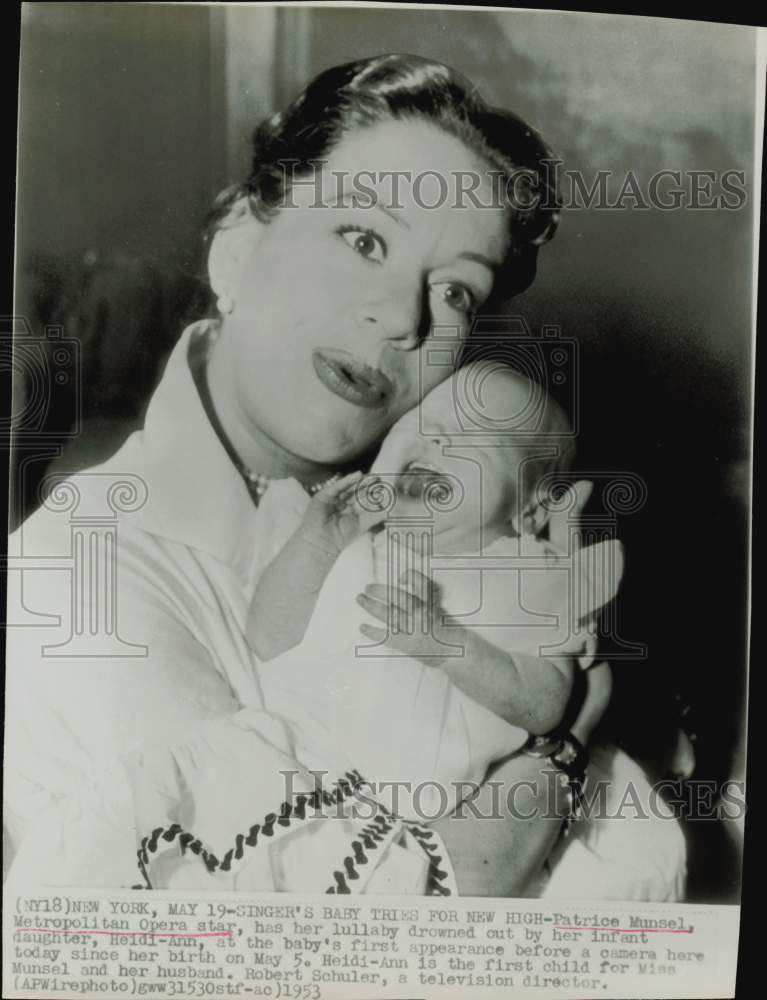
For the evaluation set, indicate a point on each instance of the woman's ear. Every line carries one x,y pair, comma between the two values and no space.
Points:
239,232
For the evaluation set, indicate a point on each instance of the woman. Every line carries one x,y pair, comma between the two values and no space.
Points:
330,306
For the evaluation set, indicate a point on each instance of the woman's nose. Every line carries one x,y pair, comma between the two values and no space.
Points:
397,317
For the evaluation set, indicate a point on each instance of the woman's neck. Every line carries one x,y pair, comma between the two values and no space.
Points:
259,452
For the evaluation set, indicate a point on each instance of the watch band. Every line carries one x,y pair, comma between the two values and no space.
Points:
568,755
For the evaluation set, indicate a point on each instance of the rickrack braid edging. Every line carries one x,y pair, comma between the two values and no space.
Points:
438,879
369,839
289,813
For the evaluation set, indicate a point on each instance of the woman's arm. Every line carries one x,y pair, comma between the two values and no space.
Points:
103,749
599,686
499,842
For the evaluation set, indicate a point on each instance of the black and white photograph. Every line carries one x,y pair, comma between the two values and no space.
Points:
380,463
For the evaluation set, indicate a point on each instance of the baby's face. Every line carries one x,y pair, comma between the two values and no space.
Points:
439,452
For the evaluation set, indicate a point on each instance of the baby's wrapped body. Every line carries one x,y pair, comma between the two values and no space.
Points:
420,741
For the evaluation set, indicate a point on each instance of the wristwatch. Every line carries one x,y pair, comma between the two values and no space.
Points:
568,755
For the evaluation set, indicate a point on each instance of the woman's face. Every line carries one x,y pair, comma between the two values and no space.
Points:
342,312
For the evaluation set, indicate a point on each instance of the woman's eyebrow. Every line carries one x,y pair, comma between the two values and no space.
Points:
392,215
348,196
480,258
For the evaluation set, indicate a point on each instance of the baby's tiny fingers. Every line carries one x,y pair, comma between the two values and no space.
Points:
398,619
373,632
398,598
375,608
419,584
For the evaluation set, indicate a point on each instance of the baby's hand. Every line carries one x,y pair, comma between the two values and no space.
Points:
332,520
416,623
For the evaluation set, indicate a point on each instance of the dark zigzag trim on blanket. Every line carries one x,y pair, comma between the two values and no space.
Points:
369,838
289,812
436,874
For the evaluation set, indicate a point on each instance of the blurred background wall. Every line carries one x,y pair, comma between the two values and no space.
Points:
134,116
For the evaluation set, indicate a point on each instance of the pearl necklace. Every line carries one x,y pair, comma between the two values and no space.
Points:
258,483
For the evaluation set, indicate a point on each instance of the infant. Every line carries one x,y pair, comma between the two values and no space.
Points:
465,643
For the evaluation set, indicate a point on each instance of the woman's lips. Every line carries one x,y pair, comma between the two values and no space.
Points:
351,379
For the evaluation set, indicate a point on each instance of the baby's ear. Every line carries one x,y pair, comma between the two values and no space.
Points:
564,525
532,519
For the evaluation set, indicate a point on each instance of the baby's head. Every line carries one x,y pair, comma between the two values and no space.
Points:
491,435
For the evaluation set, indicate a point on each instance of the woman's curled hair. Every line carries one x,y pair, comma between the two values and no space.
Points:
405,87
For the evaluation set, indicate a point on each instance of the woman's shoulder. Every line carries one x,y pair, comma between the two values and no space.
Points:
87,538
82,511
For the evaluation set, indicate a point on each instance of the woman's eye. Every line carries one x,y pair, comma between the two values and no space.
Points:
364,242
457,296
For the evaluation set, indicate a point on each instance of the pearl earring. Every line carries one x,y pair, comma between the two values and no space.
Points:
225,304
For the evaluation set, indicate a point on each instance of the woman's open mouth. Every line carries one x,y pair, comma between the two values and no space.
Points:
351,379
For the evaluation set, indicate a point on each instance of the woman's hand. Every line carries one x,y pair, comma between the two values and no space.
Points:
416,623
